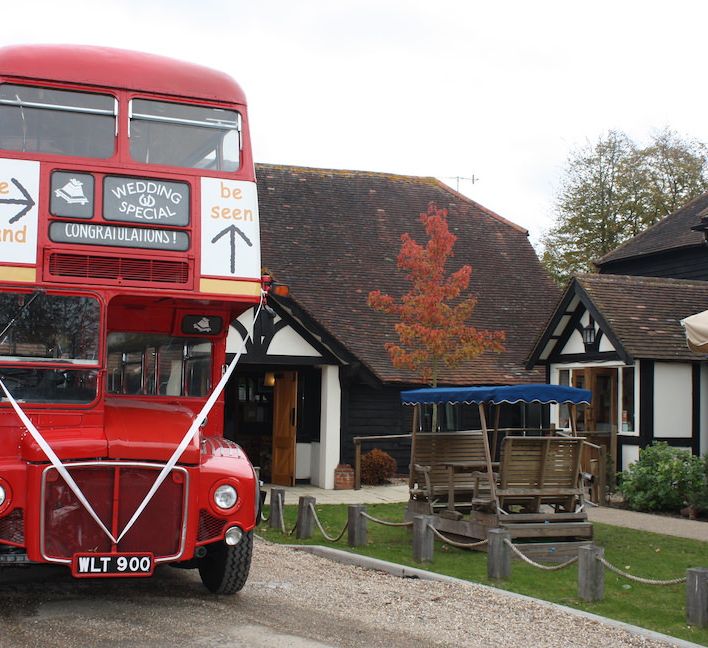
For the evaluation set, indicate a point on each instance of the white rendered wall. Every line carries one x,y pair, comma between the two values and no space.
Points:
672,400
314,462
606,345
330,419
288,342
703,447
574,345
303,460
629,455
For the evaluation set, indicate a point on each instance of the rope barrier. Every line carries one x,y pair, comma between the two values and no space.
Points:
280,499
385,522
461,545
263,518
533,563
322,531
639,579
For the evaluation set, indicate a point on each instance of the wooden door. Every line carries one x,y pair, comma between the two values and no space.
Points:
284,418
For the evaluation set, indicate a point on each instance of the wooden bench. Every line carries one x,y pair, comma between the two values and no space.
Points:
446,467
540,470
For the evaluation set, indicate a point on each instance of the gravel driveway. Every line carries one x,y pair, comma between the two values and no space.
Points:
425,613
292,600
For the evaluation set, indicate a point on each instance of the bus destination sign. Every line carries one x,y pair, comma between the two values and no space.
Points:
145,200
116,236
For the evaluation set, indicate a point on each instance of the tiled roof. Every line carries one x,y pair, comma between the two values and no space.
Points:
673,231
333,236
644,312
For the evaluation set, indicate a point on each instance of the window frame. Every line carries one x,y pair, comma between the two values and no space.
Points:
115,113
178,121
150,369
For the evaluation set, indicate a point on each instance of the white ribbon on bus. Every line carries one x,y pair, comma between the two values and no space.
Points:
186,440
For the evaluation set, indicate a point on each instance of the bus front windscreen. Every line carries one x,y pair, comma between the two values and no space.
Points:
49,347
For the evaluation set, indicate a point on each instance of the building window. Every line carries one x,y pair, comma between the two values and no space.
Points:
613,399
627,400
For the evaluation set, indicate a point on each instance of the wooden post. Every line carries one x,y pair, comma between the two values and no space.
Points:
357,464
697,596
423,538
487,455
277,504
495,442
411,470
357,526
305,518
602,477
573,412
591,573
498,554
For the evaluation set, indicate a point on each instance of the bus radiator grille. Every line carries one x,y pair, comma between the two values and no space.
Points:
12,528
68,528
209,526
119,269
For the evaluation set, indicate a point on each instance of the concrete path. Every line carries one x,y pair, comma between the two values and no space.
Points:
679,527
398,492
367,495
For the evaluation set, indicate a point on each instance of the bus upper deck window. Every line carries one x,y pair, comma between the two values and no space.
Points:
60,122
195,137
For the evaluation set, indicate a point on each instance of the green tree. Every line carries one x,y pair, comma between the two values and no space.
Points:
613,189
675,171
433,315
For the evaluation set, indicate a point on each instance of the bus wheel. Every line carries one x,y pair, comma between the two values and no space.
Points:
224,569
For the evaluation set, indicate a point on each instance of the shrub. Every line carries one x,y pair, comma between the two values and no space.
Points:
698,499
376,467
663,479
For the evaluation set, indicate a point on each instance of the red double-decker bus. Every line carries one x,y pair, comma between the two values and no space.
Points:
129,240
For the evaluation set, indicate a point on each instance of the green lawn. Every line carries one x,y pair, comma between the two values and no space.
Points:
644,554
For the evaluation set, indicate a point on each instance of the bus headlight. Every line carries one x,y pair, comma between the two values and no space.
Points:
225,496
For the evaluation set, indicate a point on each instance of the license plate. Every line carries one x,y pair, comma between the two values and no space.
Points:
95,565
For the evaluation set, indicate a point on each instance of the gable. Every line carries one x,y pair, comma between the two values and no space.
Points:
562,341
274,340
638,317
575,345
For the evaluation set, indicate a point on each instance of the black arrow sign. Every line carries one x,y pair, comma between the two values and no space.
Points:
232,230
26,201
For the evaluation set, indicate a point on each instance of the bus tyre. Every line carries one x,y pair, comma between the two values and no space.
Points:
224,569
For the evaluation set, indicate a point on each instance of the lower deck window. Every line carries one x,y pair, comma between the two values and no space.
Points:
49,347
158,365
38,385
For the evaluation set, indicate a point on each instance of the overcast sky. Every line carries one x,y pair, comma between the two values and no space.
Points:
502,91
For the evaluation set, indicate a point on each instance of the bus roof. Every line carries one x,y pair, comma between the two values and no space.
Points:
116,68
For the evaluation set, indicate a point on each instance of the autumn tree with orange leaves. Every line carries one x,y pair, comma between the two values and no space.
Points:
433,315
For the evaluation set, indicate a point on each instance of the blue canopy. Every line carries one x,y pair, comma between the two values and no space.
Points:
539,393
